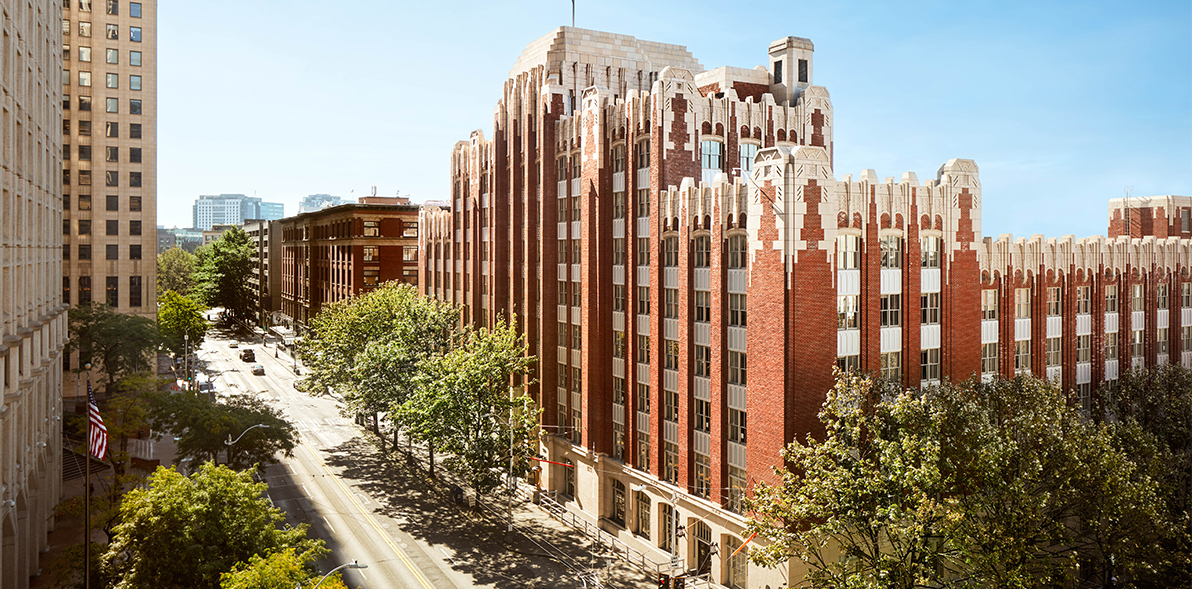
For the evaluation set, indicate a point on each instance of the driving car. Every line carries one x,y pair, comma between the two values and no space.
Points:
258,370
248,355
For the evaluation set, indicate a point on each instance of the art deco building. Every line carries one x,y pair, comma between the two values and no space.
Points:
109,153
32,314
689,270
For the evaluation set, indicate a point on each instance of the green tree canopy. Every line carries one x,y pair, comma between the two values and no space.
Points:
178,317
202,428
186,532
175,271
116,343
223,269
285,569
968,485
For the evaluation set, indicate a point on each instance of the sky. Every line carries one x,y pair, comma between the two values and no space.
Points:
1063,105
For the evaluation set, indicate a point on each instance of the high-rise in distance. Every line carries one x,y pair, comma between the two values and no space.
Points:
109,153
689,272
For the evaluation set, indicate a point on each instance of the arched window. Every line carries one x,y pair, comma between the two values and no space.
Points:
737,254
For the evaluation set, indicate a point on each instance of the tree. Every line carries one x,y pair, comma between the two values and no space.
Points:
371,348
179,317
116,343
185,532
175,271
962,485
284,569
464,404
202,428
223,269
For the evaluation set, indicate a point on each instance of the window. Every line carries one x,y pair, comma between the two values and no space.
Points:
85,205
112,227
85,54
702,416
778,71
134,251
643,154
930,308
112,56
134,9
114,7
1111,346
748,154
1022,303
643,251
66,102
641,504
1054,352
409,253
736,425
989,304
134,34
736,488
618,298
1162,301
134,106
134,82
84,28
111,129
848,252
737,565
703,306
643,397
643,202
84,153
668,525
848,313
112,32
372,277
618,252
892,366
112,251
65,26
84,254
372,229
1111,298
409,229
930,364
66,283
670,472
1161,340
85,79
1022,355
1053,301
134,130
569,478
989,359
1186,295
1186,338
134,203
617,515
1082,299
134,58
84,226
111,178
112,105
1084,346
703,361
703,476
932,251
736,310
84,5
701,252
671,308
113,80
577,337
1136,343
112,154
891,251
113,291
619,205
736,368
66,82
134,155
670,252
618,441
891,310
84,283
618,342
803,70
134,227
737,253
1136,301
643,300
711,155
618,158
643,349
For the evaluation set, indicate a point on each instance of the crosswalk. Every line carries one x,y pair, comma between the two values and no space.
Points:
317,425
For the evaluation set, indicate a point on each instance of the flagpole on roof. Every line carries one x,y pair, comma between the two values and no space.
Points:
87,489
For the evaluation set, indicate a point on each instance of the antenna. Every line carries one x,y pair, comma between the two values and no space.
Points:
374,190
573,14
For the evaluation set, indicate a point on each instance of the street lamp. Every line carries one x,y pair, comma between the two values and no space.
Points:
229,442
350,565
674,531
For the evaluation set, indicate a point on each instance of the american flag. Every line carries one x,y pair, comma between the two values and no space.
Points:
97,434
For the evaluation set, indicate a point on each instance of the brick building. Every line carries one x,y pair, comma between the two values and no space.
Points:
334,253
681,257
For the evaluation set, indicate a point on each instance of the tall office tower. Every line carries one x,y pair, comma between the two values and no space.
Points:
109,153
32,315
688,270
233,209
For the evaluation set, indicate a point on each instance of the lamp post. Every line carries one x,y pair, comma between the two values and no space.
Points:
230,442
350,565
674,531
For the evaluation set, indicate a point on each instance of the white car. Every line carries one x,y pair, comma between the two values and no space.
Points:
258,370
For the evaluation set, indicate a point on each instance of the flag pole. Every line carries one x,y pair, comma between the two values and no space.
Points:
87,490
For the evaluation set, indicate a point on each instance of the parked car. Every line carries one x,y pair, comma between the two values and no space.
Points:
234,345
248,355
258,369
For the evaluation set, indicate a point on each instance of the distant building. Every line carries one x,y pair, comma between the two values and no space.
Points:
233,209
335,253
316,202
215,233
266,284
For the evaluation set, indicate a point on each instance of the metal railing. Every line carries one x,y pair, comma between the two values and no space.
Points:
602,538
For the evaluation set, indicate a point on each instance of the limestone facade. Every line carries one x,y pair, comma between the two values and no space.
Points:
32,314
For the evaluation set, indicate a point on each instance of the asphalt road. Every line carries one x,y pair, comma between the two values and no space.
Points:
310,486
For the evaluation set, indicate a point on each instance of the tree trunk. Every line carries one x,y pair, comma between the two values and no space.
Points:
430,449
395,430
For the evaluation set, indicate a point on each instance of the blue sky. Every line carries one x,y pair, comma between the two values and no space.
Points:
1063,105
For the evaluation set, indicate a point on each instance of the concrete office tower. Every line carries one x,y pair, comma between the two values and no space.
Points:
32,315
689,270
109,149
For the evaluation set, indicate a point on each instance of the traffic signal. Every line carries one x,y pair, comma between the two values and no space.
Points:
679,583
664,581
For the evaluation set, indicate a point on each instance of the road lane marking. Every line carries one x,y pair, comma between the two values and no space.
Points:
329,525
372,521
